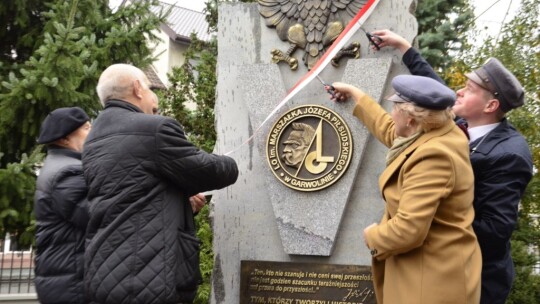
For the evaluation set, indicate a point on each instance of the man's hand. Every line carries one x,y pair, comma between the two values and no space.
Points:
197,202
391,39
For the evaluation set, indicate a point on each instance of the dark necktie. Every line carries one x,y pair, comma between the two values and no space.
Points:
463,126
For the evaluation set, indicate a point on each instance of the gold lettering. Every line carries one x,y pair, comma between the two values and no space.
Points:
320,155
265,288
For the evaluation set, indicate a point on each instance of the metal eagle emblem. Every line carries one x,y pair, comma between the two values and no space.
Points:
311,25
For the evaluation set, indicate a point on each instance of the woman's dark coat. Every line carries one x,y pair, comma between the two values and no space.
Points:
61,211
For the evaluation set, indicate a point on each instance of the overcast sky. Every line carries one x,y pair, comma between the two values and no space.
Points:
196,5
496,10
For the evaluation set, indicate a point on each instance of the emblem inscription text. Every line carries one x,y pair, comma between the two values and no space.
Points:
309,148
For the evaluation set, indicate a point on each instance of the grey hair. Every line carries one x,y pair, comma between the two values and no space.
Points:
116,82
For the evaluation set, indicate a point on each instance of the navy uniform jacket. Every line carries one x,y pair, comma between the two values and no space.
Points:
502,165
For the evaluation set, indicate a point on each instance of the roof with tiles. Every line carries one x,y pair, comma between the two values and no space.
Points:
181,22
155,82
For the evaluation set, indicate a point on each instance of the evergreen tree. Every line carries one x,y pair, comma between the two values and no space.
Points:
17,184
442,25
18,42
55,52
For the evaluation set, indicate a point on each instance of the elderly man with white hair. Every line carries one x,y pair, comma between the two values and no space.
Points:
144,178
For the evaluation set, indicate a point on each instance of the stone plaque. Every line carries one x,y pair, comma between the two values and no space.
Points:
305,283
309,148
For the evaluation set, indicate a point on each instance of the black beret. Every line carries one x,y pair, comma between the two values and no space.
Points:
423,91
495,78
60,123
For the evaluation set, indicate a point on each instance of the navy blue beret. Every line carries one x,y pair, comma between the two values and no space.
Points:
60,123
495,78
423,91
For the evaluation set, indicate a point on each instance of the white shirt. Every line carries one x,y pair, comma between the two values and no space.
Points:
477,132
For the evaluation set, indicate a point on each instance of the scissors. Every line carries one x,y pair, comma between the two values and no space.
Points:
372,38
331,90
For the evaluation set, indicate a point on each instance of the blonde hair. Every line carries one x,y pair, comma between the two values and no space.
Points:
426,119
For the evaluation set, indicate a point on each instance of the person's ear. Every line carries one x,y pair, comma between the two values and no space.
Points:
492,106
137,89
62,142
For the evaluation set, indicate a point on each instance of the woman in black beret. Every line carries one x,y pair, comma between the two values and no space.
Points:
61,208
424,249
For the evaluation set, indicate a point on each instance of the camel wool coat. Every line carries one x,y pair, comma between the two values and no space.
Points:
424,249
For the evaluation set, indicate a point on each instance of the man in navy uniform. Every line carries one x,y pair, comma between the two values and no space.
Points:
500,157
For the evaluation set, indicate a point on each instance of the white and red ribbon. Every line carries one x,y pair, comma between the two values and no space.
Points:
345,36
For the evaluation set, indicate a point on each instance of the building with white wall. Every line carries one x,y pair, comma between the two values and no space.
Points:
175,36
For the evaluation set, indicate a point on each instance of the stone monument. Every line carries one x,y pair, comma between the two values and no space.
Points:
290,229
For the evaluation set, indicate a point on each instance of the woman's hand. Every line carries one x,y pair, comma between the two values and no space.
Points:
342,91
365,233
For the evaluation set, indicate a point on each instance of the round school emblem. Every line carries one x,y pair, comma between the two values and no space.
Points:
309,148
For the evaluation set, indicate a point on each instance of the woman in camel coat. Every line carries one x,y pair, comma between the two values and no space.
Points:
424,249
